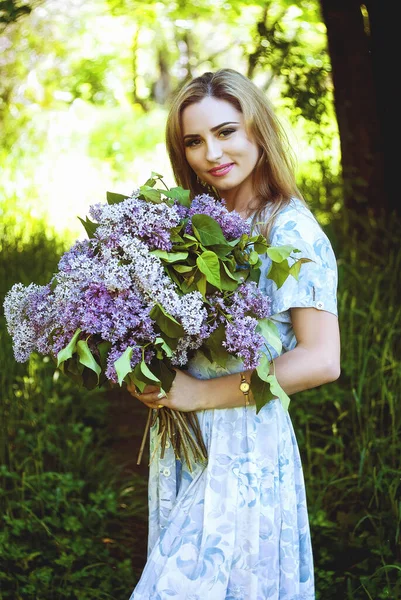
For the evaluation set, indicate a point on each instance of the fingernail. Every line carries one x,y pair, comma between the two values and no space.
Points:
161,395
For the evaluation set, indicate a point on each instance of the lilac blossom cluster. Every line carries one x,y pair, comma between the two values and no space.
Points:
231,223
106,286
149,222
248,305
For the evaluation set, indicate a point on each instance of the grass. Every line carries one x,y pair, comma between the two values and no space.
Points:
349,431
66,507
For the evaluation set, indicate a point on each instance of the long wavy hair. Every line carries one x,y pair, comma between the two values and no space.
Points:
274,174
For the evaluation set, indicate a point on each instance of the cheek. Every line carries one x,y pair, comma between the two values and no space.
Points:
190,159
248,148
252,152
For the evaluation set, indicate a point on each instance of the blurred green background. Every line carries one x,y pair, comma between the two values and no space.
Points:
84,92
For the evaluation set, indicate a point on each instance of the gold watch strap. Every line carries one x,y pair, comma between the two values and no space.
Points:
244,387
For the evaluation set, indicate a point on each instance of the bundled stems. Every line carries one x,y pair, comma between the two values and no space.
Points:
183,431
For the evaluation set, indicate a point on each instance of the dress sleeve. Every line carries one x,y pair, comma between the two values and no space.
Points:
317,282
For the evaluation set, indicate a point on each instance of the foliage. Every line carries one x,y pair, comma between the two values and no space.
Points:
64,505
12,10
124,53
349,434
122,136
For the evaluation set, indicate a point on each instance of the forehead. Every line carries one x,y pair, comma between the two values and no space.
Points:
208,113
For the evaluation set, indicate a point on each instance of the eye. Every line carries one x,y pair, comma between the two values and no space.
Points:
192,143
226,132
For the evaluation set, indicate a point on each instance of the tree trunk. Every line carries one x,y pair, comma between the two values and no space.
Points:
353,49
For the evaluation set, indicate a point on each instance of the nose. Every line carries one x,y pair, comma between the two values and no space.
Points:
213,150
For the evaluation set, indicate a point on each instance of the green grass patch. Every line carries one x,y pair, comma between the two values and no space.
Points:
349,431
66,508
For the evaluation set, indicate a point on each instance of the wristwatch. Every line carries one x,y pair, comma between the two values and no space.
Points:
244,386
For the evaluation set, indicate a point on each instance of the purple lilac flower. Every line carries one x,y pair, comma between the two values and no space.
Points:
149,222
243,341
79,253
28,315
182,210
243,308
231,223
248,299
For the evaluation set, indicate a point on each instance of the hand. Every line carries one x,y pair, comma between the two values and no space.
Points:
186,393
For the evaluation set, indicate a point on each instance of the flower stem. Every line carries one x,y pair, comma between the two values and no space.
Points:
144,437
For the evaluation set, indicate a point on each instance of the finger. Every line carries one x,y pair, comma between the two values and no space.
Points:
149,389
132,390
153,398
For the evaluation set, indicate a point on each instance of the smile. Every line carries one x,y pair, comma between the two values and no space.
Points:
221,170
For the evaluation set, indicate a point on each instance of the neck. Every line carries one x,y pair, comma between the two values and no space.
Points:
238,199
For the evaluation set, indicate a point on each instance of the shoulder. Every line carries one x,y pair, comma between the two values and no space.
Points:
296,220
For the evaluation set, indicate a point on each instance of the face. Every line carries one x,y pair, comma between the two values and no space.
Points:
217,146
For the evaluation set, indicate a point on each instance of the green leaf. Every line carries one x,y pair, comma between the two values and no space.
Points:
214,344
171,342
72,369
148,373
278,391
187,245
221,249
202,284
280,253
296,267
269,330
90,379
149,193
166,322
86,357
103,349
260,391
142,376
173,275
253,258
113,198
207,230
275,389
159,341
179,194
278,273
229,280
69,350
123,365
137,378
89,226
164,374
183,268
260,244
156,175
209,264
254,275
170,257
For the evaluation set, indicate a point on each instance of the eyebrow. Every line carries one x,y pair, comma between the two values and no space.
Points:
192,135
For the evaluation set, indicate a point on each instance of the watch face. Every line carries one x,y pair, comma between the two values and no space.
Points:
244,387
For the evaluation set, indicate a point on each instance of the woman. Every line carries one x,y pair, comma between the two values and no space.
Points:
238,528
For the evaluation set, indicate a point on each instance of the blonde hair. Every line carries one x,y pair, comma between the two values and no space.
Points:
274,177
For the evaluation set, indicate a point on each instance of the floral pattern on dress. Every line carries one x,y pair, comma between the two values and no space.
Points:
237,528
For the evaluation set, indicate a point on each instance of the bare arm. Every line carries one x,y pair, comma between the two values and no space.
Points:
314,361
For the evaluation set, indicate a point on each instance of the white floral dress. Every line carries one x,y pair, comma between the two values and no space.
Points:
237,528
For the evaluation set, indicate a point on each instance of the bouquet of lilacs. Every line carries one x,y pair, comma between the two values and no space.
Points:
158,278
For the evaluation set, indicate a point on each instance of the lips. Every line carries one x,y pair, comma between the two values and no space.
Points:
221,170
